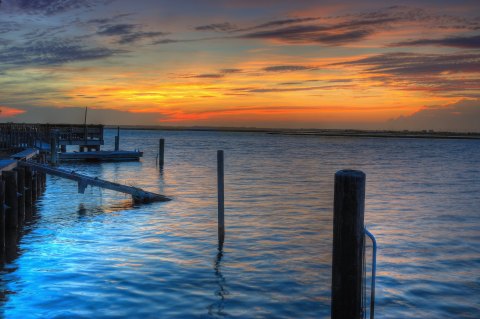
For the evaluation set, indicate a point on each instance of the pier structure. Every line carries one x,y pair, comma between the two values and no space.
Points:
22,135
54,139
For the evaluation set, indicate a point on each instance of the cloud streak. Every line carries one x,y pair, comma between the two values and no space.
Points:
472,42
56,52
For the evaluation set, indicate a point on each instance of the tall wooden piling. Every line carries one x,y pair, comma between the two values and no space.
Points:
21,194
2,219
28,192
161,152
53,149
117,139
348,243
221,206
34,186
11,200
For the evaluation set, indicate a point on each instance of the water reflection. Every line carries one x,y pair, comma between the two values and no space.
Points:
217,309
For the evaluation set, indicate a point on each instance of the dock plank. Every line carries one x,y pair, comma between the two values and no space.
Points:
83,181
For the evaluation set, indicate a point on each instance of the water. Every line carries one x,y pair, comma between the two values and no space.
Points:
97,256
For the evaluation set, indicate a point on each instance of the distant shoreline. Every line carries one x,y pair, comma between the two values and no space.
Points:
315,132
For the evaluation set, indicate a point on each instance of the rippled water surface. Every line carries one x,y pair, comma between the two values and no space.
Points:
95,255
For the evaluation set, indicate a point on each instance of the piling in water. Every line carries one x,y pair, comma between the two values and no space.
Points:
28,192
21,194
221,206
348,244
117,139
11,199
2,219
161,153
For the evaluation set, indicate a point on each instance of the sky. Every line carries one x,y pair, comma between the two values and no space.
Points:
266,63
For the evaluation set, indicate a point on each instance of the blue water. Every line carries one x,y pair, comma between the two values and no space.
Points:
95,255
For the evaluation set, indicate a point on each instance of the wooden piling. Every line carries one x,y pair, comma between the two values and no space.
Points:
21,194
161,153
28,193
53,149
348,243
2,220
117,139
11,199
221,206
34,186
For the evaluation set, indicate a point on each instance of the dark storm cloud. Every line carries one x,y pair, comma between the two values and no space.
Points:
472,42
51,53
225,26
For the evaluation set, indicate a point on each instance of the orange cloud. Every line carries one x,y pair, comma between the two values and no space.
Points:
6,111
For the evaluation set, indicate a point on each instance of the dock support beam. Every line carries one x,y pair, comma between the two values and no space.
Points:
11,199
21,194
28,192
348,244
2,220
221,198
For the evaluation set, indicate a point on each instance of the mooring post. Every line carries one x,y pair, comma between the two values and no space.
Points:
2,220
28,192
11,199
21,194
161,152
221,206
34,186
53,148
117,139
43,159
348,244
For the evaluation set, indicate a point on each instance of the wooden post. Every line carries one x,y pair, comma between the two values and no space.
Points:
53,149
21,194
161,153
117,139
11,200
221,207
348,243
2,219
28,192
34,186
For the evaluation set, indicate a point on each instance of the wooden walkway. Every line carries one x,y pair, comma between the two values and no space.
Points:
139,195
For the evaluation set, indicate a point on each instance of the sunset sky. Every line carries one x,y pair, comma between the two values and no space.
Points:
265,63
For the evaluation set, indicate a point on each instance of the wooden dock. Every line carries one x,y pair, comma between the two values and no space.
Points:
138,195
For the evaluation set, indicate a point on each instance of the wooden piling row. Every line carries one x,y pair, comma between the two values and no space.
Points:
19,189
